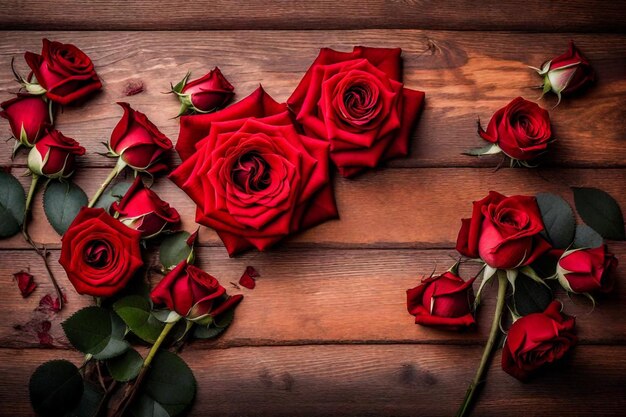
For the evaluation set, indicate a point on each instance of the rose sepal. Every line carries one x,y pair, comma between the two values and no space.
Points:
491,149
166,316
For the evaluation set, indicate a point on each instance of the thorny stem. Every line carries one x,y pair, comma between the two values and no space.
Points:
116,170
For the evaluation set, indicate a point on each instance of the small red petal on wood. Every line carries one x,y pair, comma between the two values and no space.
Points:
25,283
49,304
247,279
133,87
43,333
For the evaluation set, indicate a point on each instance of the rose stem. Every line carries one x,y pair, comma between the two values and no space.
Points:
41,252
493,333
118,168
124,404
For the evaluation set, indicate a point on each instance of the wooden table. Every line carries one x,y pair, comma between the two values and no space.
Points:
326,331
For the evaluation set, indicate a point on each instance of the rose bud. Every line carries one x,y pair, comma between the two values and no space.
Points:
521,130
28,116
64,71
54,155
192,293
142,209
205,94
99,253
138,142
444,301
567,73
503,231
586,270
537,339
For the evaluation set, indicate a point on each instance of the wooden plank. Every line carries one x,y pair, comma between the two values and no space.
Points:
395,380
419,208
465,75
560,15
317,296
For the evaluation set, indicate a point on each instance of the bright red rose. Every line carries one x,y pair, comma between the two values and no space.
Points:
99,253
254,179
205,94
587,270
537,339
142,209
521,129
192,293
567,73
357,102
64,71
28,116
138,142
54,155
444,301
503,231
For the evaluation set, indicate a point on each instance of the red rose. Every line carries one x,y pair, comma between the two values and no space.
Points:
521,129
142,209
28,116
138,142
54,155
503,231
99,253
254,178
444,301
567,73
64,71
205,94
356,101
192,293
586,270
537,339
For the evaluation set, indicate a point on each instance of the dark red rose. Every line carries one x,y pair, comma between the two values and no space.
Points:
205,94
521,129
587,270
567,73
254,178
192,293
357,102
142,209
25,283
28,116
444,301
54,155
138,142
99,253
503,231
537,339
64,71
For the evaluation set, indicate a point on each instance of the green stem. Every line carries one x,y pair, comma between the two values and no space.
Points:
118,168
168,327
484,361
29,200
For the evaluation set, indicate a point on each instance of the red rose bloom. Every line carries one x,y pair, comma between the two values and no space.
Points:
586,270
54,155
357,102
28,117
138,142
142,209
192,293
503,231
537,339
521,129
254,178
64,71
567,73
205,94
99,253
444,301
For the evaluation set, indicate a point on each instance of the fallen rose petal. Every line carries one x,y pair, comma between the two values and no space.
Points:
247,279
25,283
43,334
49,304
133,87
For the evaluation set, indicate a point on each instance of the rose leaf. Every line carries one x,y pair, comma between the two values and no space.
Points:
174,249
12,203
530,296
96,331
114,194
125,367
55,388
586,237
61,203
558,219
135,311
600,211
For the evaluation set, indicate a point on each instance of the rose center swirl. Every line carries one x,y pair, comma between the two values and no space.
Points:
359,102
98,254
251,172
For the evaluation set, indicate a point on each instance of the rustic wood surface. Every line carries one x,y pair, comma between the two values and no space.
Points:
326,331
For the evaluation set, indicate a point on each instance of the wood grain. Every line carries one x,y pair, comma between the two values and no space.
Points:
557,16
394,380
466,76
313,296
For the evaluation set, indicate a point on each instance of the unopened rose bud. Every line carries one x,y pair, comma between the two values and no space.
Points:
586,270
205,94
28,116
54,155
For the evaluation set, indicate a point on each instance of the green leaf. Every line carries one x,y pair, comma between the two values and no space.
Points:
174,249
89,402
601,212
55,388
558,219
135,311
96,331
114,194
61,203
12,204
545,266
145,406
530,296
126,366
170,383
586,237
490,149
216,327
